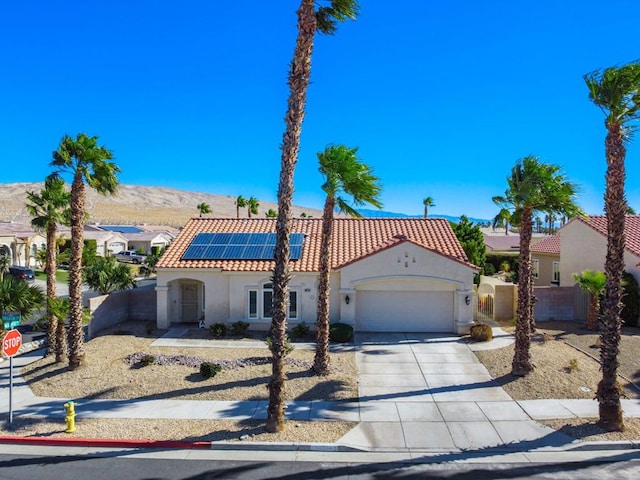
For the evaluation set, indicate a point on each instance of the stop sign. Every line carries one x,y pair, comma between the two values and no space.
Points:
11,343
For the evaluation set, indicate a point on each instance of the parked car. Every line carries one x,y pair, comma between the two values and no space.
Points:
22,273
130,256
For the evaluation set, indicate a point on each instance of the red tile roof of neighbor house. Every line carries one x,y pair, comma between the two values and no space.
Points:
631,229
352,239
549,245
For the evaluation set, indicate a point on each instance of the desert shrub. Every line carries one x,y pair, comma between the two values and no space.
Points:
208,369
300,330
489,269
481,332
218,330
288,346
505,266
630,300
239,328
340,332
147,360
573,365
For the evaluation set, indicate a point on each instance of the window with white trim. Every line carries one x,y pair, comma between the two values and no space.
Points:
555,276
535,268
253,304
264,303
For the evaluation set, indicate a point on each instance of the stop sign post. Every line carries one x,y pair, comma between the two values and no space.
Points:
11,343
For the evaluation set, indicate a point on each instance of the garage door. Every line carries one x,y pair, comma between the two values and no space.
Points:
392,311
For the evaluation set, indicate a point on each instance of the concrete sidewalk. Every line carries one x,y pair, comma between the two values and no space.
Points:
417,392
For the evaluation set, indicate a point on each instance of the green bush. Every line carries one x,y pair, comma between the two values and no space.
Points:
630,300
489,269
288,346
147,360
300,330
239,328
218,330
340,332
208,369
481,333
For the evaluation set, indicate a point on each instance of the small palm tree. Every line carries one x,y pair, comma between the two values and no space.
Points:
427,203
107,275
5,264
532,187
17,295
348,182
50,208
203,208
310,21
616,91
593,283
252,206
241,202
271,213
502,219
85,161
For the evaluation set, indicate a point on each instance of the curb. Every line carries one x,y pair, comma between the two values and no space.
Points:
175,444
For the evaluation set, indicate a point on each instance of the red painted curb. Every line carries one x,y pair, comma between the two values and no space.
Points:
103,442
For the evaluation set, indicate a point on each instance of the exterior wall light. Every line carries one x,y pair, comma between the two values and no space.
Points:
467,300
347,299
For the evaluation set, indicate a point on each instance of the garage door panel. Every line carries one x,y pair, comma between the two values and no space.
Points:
394,311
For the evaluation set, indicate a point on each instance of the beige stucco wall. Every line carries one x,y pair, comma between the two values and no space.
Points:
545,268
581,247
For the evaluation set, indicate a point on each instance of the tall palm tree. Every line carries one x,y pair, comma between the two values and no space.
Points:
85,161
502,219
592,282
427,202
616,91
241,202
348,182
52,206
310,21
203,208
252,206
532,187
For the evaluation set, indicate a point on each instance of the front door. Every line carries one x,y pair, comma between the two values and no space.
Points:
189,302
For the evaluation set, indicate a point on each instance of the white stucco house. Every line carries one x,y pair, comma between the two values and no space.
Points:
20,242
400,274
583,245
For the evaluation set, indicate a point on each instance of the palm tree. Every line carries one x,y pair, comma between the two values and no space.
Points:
18,295
5,264
85,160
107,275
345,176
532,187
616,91
271,213
241,202
538,222
310,20
427,202
203,208
252,206
592,282
502,219
49,208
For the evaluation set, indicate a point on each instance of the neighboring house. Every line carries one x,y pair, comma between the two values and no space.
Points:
545,261
502,244
400,274
20,242
139,238
107,242
583,245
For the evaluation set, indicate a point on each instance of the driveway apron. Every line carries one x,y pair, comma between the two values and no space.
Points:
430,392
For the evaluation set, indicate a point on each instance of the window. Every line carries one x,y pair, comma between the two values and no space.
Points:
555,278
253,304
266,305
535,268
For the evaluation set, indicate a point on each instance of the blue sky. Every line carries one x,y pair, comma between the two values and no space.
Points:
440,97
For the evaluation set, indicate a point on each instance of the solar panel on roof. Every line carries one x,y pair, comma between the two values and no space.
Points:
239,246
122,228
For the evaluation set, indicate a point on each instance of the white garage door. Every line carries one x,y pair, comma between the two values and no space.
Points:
390,311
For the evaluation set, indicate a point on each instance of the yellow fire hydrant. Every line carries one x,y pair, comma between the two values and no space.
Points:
70,417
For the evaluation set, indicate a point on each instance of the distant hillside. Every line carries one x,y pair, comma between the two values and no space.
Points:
383,214
137,204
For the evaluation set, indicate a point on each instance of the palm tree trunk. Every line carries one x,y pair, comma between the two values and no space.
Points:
50,270
321,360
608,392
522,357
594,311
300,70
76,329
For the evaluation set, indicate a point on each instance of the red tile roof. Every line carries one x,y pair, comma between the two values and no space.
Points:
631,229
502,242
353,239
549,245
